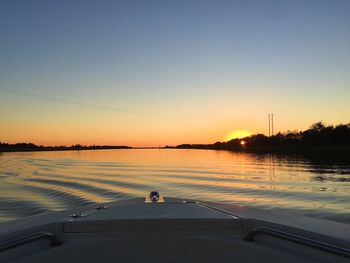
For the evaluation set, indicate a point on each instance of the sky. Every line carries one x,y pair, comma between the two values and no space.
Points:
155,73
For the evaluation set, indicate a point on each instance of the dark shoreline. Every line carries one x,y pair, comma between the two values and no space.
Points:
263,150
60,148
267,149
330,140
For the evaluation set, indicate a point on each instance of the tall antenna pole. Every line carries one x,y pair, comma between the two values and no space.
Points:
269,125
272,123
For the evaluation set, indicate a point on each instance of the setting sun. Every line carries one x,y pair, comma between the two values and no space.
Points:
237,135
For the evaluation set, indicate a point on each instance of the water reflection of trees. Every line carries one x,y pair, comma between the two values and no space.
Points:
332,167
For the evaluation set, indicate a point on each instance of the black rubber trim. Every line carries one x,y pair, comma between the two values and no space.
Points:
298,239
54,241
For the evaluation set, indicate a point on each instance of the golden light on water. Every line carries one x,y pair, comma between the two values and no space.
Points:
237,135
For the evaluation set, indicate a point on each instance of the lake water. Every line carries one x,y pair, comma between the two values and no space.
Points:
38,182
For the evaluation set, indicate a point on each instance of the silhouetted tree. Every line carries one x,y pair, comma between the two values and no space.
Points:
317,135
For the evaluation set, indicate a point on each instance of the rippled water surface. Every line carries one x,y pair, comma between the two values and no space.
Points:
38,182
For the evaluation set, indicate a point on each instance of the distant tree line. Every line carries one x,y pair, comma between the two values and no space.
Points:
318,135
24,147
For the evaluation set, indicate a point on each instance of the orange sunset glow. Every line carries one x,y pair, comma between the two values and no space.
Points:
237,135
195,131
168,77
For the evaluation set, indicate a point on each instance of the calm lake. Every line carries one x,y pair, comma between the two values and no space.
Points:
38,182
